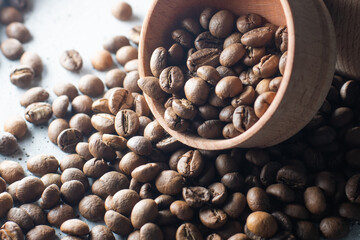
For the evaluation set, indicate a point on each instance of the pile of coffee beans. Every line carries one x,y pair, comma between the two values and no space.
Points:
220,75
144,184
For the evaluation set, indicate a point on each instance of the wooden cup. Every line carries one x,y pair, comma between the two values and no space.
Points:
306,81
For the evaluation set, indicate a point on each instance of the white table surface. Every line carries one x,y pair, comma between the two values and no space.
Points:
57,26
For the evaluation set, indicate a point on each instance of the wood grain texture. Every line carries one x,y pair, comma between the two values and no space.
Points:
308,74
346,18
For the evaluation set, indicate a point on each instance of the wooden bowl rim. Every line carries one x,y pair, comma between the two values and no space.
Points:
220,144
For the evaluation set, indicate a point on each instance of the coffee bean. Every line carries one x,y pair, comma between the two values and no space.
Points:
38,113
208,112
101,60
109,184
175,122
267,67
75,227
244,118
349,92
292,176
352,188
126,54
103,122
42,164
352,136
261,224
100,150
169,182
158,61
257,157
18,31
233,181
20,217
274,84
22,76
257,199
6,202
82,123
95,168
60,214
8,143
202,57
207,40
114,43
2,185
263,102
247,97
171,79
196,197
190,164
41,232
296,211
205,17
29,189
134,34
281,38
114,78
35,212
10,14
120,99
228,87
71,60
181,210
50,197
11,230
150,86
262,87
235,205
334,227
12,48
258,37
183,37
11,171
68,139
144,211
100,232
126,123
212,218
233,38
55,128
122,11
32,60
249,78
146,173
248,22
91,85
92,208
306,230
281,192
67,89
175,54
72,191
315,200
232,54
210,129
60,106
221,24
282,63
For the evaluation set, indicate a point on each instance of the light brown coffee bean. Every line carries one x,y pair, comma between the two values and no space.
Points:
248,22
209,74
212,218
15,125
125,54
158,61
228,87
150,86
232,54
2,185
141,106
210,129
263,102
196,91
67,89
100,106
171,79
130,81
154,131
92,208
95,168
109,184
51,178
257,199
100,150
32,60
101,60
146,173
42,164
75,227
175,122
334,227
114,43
267,67
203,57
6,202
282,63
22,76
12,48
258,37
18,31
29,189
315,200
181,210
38,113
91,85
281,38
71,60
11,230
187,231
60,106
55,128
124,201
11,171
184,108
126,123
274,84
103,122
247,97
41,232
262,224
122,11
221,24
60,214
120,99
81,122
233,38
117,223
72,161
175,54
100,232
190,164
114,141
144,211
50,197
68,139
169,182
114,78
140,145
235,205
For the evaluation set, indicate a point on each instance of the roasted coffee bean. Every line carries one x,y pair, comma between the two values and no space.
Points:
257,199
122,11
257,157
10,14
292,176
225,71
209,74
352,136
221,24
95,168
253,55
196,197
109,184
352,189
67,89
205,17
81,122
114,43
210,129
315,200
228,87
91,85
72,161
212,218
258,37
349,92
114,78
42,164
350,211
51,178
261,224
263,102
151,231
124,200
248,22
196,91
296,211
32,60
334,227
74,174
188,231
41,232
182,37
235,205
208,112
282,63
102,122
274,84
38,113
169,182
12,48
101,60
11,230
92,208
225,163
281,38
55,128
249,78
50,196
233,38
268,173
72,191
153,131
75,227
2,185
18,31
175,122
168,144
207,40
68,139
232,54
182,210
171,79
175,54
71,60
20,217
281,192
82,149
284,221
130,81
60,214
100,232
35,212
306,230
146,173
130,161
150,86
100,150
117,223
11,171
134,34
247,97
341,116
126,123
22,76
140,145
126,54
29,189
191,25
6,202
144,211
190,164
267,67
233,181
202,57
218,193
164,201
60,106
8,143
114,141
244,118
158,61
229,131
215,101
262,86
120,99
